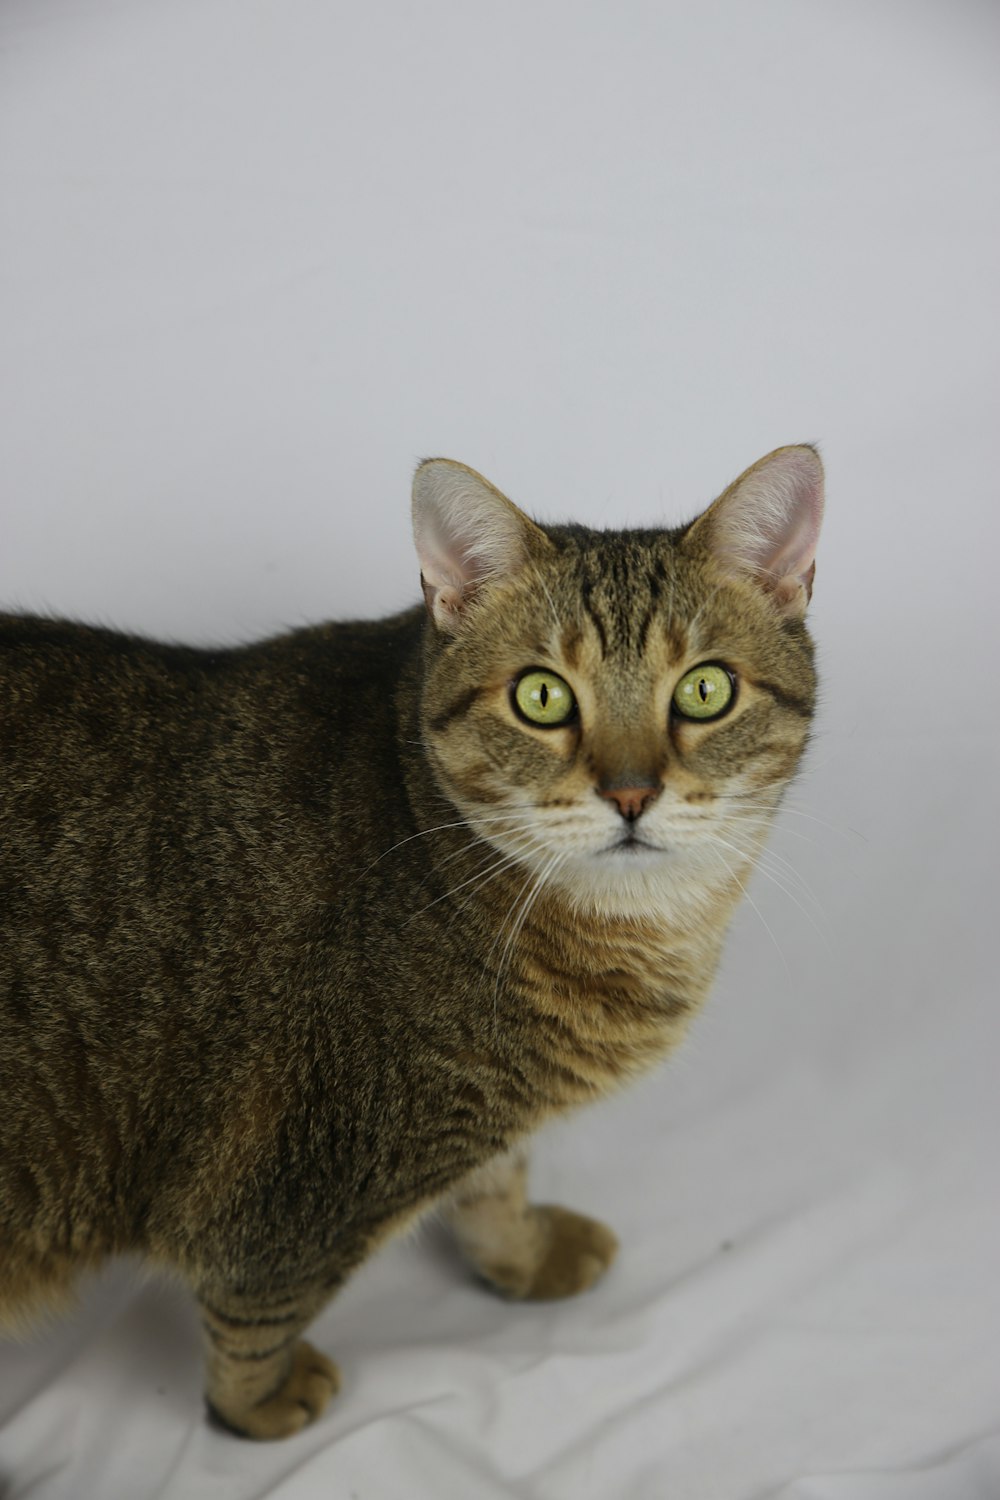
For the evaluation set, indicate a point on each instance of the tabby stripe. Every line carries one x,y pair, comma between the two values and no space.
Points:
258,1354
655,581
586,589
791,701
644,625
571,647
224,1341
271,1299
455,709
272,1322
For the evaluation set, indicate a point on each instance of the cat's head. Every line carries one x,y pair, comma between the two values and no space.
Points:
620,710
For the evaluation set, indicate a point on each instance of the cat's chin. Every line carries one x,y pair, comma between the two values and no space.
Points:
632,879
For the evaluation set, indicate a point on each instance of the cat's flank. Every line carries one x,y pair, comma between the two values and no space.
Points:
300,939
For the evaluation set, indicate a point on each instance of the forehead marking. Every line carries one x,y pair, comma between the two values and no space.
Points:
655,584
586,592
570,646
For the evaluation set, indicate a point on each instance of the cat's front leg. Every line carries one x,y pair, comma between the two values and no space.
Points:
263,1380
524,1249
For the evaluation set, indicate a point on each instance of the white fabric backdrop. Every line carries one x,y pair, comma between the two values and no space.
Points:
258,257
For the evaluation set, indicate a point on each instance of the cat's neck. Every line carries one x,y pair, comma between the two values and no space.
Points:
656,942
598,997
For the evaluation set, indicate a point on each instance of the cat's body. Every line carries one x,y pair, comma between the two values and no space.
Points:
300,939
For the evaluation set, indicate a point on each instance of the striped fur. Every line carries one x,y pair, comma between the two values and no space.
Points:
301,940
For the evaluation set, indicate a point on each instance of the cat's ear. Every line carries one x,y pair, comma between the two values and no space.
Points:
765,526
467,535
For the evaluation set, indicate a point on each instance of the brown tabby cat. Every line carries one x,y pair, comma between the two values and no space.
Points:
300,939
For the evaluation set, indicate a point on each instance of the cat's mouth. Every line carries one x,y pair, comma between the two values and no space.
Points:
630,843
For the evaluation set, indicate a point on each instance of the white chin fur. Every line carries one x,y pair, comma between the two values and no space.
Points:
675,883
672,886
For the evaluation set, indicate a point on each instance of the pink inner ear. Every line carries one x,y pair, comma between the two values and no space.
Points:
770,520
440,550
795,551
465,530
466,533
475,565
453,561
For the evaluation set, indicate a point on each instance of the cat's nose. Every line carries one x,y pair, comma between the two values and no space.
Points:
631,801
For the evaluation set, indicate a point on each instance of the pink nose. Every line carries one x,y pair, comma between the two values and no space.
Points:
631,801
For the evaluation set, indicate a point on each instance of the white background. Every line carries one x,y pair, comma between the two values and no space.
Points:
259,256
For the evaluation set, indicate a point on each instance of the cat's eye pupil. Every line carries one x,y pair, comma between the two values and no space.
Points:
543,698
705,692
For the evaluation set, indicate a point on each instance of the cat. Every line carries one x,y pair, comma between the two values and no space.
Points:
301,939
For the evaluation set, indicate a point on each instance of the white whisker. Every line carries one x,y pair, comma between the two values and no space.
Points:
743,887
439,828
784,807
542,585
756,860
539,878
489,848
479,878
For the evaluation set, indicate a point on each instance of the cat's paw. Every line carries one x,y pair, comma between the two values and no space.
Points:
309,1383
572,1252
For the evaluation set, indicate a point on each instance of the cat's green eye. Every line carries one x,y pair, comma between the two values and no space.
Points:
704,693
544,699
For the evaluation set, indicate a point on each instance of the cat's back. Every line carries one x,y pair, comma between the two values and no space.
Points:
171,823
67,689
89,700
100,734
151,792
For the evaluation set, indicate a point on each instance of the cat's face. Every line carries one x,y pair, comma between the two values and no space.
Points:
618,712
